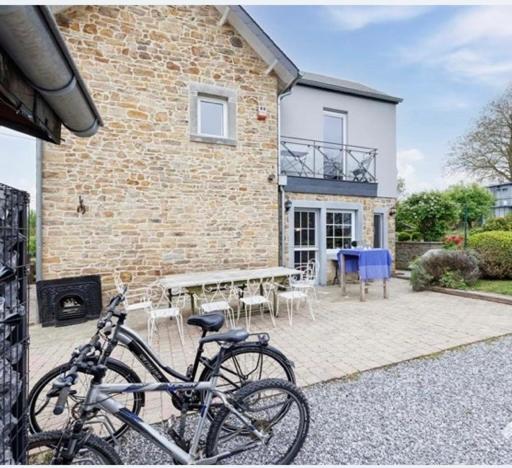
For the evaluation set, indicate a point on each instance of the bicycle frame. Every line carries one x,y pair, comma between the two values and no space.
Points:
146,356
151,362
99,397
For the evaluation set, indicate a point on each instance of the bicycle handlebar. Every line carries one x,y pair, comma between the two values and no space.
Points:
61,400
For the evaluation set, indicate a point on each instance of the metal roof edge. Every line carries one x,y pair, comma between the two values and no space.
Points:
351,91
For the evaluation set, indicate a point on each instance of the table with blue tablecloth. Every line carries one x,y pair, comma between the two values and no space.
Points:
369,264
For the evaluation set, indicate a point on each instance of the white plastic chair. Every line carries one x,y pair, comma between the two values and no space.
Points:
217,299
156,297
258,293
134,297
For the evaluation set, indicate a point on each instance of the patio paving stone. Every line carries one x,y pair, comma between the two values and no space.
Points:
348,336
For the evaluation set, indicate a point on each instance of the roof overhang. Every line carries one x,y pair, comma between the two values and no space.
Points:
276,60
334,85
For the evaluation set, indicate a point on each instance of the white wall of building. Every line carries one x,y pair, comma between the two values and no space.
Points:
370,123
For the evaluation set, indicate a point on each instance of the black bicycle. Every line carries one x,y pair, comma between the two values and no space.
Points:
245,362
264,423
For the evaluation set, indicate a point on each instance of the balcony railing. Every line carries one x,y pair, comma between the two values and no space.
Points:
323,160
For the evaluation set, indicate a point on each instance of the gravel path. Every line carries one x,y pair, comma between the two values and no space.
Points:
447,409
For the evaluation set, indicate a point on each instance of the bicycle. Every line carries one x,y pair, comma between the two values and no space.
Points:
243,362
265,422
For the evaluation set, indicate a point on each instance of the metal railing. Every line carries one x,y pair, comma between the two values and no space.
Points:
323,160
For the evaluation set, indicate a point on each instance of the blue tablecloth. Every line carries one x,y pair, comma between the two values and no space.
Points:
370,263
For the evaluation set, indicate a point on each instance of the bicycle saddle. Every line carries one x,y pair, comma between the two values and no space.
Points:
208,322
232,336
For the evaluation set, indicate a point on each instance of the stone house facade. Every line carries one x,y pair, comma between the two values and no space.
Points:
157,198
186,173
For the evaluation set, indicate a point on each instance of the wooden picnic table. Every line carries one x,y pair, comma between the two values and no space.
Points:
193,282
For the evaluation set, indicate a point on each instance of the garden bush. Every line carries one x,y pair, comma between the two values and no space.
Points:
448,268
404,236
498,224
495,253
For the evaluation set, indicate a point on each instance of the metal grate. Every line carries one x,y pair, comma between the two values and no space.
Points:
14,304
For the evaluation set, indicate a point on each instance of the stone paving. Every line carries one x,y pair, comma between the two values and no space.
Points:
347,336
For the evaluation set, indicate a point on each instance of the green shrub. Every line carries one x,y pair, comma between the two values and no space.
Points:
495,253
416,236
404,236
453,280
456,268
498,224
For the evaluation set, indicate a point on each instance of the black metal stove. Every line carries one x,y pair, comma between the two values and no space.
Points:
67,301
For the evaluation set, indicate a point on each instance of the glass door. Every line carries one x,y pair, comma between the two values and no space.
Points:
334,138
305,246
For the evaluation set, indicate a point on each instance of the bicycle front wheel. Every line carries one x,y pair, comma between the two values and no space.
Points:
277,409
42,447
42,419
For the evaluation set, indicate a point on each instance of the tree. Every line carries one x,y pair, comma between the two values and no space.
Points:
430,213
401,189
485,151
477,200
32,233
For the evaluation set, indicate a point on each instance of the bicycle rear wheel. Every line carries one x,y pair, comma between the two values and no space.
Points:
41,450
276,408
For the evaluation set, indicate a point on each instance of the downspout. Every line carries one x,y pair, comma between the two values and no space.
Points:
39,209
282,211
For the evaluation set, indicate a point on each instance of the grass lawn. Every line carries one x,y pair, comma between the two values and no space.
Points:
494,286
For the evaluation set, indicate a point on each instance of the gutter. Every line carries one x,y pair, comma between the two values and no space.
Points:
282,211
30,36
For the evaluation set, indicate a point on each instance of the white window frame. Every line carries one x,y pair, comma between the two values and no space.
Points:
352,229
213,100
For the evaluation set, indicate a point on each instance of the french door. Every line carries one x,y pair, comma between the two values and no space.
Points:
305,244
335,130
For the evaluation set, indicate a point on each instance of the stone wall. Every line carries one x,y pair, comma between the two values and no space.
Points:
156,202
369,204
406,252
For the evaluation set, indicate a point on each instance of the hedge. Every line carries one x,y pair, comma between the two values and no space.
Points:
494,249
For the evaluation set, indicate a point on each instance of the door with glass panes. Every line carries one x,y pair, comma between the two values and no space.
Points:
305,243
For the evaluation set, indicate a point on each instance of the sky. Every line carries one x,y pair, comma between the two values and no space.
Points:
446,62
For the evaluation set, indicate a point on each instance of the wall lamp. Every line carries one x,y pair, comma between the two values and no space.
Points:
287,205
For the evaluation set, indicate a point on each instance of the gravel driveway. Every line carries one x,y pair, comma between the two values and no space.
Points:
447,409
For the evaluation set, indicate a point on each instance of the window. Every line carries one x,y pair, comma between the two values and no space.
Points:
339,229
212,117
378,230
212,114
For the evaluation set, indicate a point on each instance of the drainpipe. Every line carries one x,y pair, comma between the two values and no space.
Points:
39,209
282,210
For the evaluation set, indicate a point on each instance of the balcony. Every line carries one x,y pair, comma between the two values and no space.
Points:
320,167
